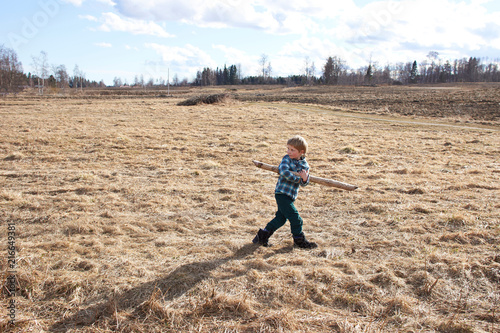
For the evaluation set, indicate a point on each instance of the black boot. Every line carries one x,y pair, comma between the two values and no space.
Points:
303,243
262,237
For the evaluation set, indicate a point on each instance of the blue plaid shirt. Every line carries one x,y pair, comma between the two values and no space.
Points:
288,183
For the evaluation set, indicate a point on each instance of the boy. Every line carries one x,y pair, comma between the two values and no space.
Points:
286,192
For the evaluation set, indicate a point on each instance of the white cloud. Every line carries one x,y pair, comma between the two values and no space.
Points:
409,29
496,43
88,18
439,23
75,2
232,56
188,59
78,3
381,30
107,2
480,2
103,44
113,22
456,28
134,48
319,9
427,23
272,17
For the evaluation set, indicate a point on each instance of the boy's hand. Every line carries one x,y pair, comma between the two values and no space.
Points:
304,174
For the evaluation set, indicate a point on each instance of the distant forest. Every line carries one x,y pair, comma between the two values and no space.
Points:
335,71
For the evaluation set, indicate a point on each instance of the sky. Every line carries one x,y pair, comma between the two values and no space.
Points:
156,39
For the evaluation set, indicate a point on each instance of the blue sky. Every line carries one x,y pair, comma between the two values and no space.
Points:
129,38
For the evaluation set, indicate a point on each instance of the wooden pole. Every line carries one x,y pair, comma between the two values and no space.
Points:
322,181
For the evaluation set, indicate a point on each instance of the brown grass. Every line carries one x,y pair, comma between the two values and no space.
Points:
136,214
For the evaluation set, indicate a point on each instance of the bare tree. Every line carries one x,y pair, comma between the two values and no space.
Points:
403,72
269,70
11,70
434,69
309,70
76,77
41,66
433,55
306,66
239,71
117,82
61,76
266,66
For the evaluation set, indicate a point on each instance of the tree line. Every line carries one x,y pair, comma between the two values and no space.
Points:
335,71
45,76
431,70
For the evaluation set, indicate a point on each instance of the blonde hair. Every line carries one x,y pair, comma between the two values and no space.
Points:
299,143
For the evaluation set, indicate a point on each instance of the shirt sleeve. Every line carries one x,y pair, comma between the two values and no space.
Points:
305,166
285,172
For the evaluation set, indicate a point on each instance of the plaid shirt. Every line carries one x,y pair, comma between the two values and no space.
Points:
288,183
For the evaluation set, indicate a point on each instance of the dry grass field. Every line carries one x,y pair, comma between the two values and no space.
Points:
135,214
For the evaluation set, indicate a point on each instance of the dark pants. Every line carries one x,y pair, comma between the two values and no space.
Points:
286,211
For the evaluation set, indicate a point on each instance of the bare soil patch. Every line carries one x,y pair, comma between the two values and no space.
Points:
466,103
133,213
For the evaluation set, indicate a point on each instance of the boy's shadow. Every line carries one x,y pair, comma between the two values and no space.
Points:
174,285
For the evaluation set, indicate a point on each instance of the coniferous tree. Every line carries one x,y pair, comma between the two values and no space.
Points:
233,74
225,75
414,73
328,71
332,70
369,74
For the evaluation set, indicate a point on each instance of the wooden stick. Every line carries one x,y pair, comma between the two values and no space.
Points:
322,181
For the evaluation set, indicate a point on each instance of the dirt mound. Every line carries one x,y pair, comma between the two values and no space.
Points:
207,99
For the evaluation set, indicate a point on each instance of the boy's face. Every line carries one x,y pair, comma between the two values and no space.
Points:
294,153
